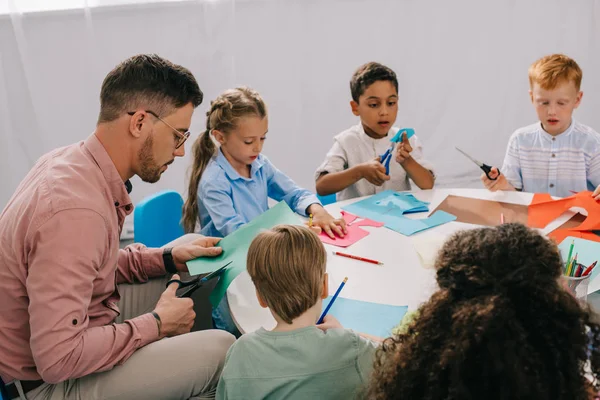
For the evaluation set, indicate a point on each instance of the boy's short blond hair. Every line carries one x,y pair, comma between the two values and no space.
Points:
287,266
549,71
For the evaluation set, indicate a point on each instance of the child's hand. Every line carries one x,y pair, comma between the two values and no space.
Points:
403,150
596,194
329,322
374,172
325,221
498,184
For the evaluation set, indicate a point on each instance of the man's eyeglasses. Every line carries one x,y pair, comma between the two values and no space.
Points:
181,137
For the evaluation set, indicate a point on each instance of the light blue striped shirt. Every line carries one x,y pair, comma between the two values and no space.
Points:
538,162
228,200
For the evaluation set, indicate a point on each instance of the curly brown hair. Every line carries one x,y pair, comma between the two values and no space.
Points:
499,327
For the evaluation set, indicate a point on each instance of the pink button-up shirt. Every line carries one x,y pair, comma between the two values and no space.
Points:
60,263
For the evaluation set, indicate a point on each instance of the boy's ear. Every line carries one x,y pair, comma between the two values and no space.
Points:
219,136
262,303
531,95
354,106
325,286
578,101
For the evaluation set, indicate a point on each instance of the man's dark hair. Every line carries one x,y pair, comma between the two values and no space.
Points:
150,82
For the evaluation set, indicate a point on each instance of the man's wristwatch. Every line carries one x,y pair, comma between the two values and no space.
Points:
168,260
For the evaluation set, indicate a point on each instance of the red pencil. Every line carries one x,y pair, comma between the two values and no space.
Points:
337,253
589,269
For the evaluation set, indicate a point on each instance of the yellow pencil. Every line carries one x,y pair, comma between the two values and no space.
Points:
310,220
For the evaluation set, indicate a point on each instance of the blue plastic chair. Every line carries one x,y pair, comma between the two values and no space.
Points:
157,219
330,198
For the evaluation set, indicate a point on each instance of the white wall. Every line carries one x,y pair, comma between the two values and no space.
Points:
462,68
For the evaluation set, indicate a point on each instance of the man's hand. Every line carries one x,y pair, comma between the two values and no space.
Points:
176,314
202,247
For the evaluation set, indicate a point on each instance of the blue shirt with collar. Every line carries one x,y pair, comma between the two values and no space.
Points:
228,200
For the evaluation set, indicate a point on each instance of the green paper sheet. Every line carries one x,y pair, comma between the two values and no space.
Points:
235,248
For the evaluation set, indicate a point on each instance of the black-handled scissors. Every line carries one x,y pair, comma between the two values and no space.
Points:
196,282
484,167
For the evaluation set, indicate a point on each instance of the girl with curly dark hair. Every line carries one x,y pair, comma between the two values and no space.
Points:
500,327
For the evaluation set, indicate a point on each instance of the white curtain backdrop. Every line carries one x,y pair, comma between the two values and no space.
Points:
462,69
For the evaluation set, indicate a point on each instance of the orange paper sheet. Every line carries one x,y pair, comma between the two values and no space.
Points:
543,210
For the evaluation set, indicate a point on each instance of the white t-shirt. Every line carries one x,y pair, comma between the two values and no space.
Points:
354,146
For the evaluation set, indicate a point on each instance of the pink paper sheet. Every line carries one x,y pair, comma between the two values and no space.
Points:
354,232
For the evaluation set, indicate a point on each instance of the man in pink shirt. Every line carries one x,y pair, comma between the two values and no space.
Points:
60,261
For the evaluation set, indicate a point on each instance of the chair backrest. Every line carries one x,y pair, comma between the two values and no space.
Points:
157,219
330,198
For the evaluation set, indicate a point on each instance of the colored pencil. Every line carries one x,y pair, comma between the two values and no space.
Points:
569,257
589,269
337,253
332,300
573,266
501,218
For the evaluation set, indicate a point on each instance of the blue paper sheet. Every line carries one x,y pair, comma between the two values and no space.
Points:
389,207
408,226
387,202
398,136
361,316
587,252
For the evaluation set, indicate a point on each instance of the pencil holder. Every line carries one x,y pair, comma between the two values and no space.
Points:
577,286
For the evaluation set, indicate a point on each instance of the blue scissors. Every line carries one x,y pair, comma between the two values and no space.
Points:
386,157
196,282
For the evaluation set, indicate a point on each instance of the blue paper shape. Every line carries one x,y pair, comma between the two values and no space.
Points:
408,226
389,207
387,202
398,136
587,252
365,317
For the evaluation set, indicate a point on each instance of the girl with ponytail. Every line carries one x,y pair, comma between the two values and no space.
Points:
230,184
500,327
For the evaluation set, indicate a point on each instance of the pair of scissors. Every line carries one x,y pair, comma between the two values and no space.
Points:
484,167
196,282
386,157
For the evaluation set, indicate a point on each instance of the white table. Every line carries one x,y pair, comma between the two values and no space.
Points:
400,281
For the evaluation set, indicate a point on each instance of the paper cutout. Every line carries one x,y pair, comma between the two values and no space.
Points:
409,226
543,210
483,212
354,232
365,317
398,136
387,202
402,203
235,248
587,252
389,207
